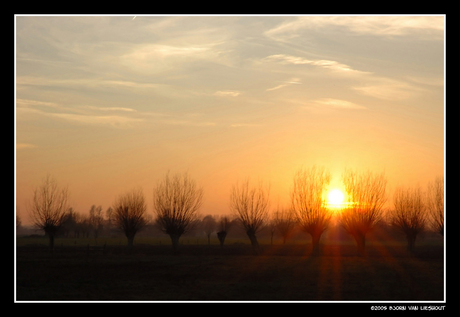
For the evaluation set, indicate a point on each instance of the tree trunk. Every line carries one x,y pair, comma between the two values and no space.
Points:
221,236
254,242
51,241
411,242
130,241
315,238
175,242
360,239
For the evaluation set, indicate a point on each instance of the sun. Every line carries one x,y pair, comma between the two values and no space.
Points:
335,198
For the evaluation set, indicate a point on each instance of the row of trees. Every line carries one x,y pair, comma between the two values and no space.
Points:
177,200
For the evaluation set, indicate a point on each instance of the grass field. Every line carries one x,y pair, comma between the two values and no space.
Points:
200,272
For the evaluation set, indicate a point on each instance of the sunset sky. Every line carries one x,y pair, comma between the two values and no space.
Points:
108,103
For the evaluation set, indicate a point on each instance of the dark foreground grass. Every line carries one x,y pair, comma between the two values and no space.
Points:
207,273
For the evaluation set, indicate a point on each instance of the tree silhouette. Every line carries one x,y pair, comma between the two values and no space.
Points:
96,220
284,222
208,224
69,222
308,202
48,208
435,204
18,222
364,203
223,226
176,201
129,213
250,205
409,213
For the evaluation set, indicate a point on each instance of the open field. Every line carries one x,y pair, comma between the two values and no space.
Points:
200,272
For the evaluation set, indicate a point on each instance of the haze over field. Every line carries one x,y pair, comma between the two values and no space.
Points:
108,103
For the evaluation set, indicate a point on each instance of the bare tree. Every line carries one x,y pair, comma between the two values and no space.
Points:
409,213
48,208
72,223
284,222
176,201
109,216
224,224
18,223
208,224
84,226
364,203
68,223
96,220
251,206
308,202
435,204
129,213
271,226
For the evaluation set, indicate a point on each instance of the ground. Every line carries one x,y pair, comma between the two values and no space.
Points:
234,273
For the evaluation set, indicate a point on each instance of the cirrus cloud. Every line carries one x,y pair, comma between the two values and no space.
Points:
227,93
296,60
322,105
374,25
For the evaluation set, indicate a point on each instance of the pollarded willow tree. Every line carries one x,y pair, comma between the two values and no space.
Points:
308,202
364,203
284,222
435,204
208,224
223,226
129,213
48,207
409,213
176,201
250,205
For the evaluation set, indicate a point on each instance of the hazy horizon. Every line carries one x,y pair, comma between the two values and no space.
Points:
108,103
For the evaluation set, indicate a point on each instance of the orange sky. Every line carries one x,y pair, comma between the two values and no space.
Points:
107,103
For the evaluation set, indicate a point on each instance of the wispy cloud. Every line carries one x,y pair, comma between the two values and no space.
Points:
30,103
376,86
22,146
387,89
114,121
227,93
327,105
293,81
295,60
374,25
27,103
91,115
80,114
108,108
336,103
188,123
160,57
92,82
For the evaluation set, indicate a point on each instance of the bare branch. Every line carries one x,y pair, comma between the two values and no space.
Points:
48,207
435,204
365,200
250,206
284,221
129,212
409,213
176,201
308,202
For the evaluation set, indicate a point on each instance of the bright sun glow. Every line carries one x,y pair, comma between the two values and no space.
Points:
335,198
